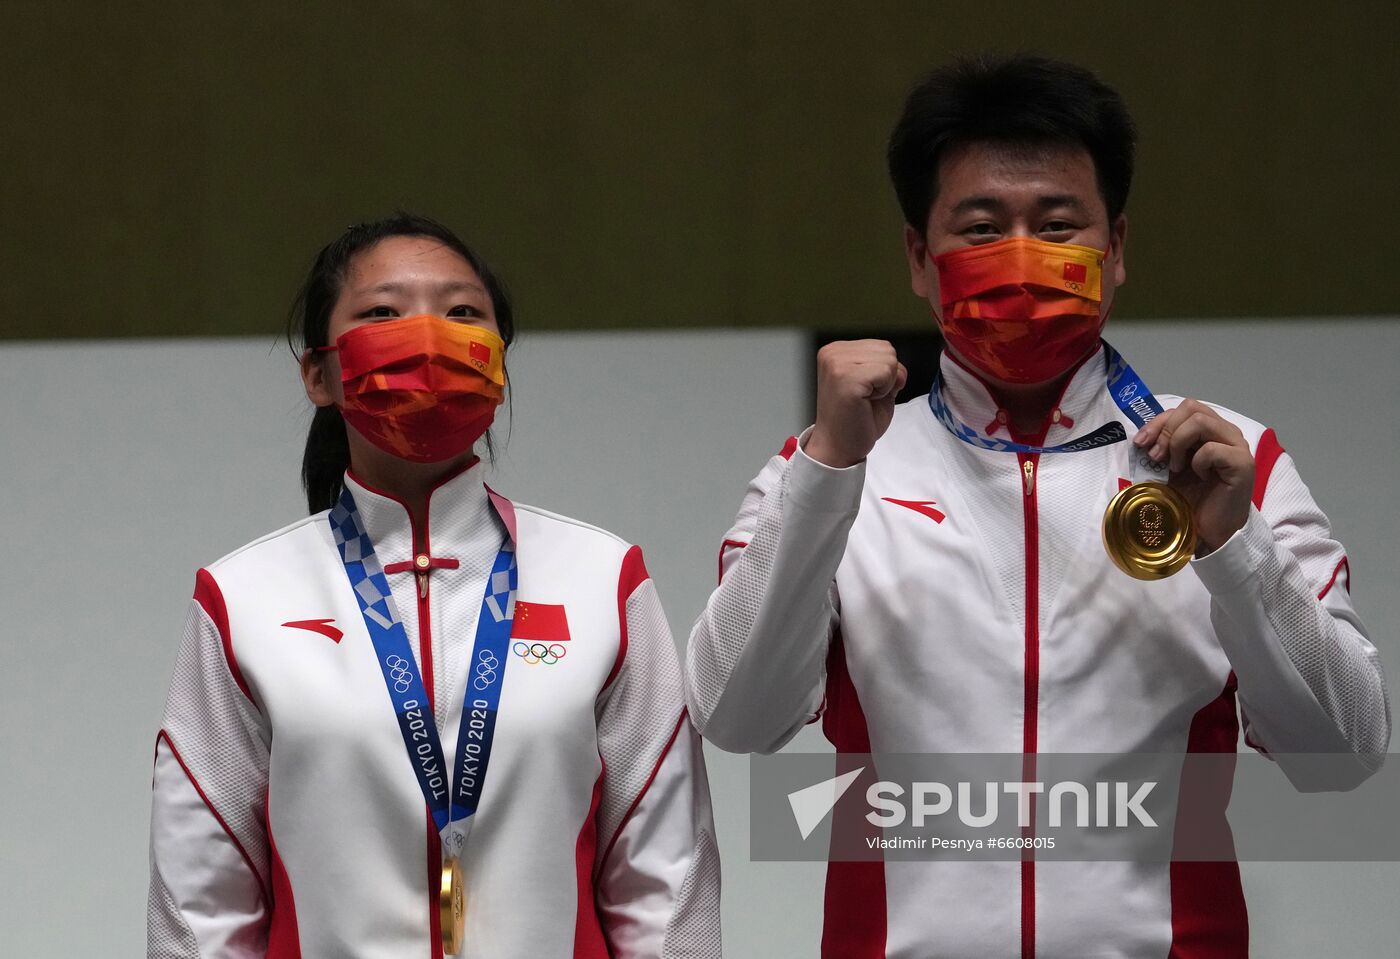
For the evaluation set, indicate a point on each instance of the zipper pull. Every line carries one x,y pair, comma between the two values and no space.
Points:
422,563
1028,470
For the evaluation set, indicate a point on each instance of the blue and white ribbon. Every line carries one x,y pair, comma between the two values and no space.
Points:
1129,392
452,806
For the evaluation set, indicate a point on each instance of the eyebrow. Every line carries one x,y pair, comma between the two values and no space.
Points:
451,286
969,204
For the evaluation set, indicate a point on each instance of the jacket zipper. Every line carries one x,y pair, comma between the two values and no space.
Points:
425,655
425,622
1031,703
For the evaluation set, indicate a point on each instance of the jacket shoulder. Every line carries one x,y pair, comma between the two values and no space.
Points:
1252,429
909,430
568,531
274,548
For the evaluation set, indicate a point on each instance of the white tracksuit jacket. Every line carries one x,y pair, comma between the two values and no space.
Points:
942,598
287,820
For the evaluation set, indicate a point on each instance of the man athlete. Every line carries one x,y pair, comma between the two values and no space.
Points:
931,577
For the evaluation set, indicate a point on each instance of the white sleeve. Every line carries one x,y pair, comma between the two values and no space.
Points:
657,866
757,655
209,890
1309,679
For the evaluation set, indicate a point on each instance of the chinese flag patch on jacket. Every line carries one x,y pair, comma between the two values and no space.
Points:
540,622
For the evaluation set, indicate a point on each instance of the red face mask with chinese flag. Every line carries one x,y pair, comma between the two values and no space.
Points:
1021,310
421,388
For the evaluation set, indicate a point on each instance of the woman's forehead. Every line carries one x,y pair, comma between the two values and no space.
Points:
409,260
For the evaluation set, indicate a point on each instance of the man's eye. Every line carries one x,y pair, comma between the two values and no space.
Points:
983,232
1057,226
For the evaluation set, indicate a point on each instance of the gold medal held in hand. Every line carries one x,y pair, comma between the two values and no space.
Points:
452,906
1148,531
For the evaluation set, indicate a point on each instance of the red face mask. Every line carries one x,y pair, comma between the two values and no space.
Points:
421,388
1021,310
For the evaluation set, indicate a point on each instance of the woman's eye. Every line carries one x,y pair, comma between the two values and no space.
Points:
378,313
463,309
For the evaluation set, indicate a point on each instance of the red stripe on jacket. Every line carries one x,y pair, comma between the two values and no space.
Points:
211,599
1209,919
633,574
283,937
589,942
855,924
1265,456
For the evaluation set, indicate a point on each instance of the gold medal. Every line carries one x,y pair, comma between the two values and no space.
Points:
452,906
1148,531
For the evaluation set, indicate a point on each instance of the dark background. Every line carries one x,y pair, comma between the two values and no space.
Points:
170,169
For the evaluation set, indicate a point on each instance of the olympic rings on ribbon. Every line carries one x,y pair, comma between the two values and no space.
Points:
535,653
399,673
486,667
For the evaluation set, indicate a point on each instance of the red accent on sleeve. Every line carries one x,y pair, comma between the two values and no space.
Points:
170,744
647,785
283,939
1342,564
725,547
789,448
211,599
1265,457
633,574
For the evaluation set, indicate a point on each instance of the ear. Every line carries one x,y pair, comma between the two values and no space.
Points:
315,376
1118,239
916,252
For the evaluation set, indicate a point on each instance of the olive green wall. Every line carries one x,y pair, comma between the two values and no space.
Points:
171,168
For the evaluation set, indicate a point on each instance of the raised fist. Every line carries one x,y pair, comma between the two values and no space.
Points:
857,382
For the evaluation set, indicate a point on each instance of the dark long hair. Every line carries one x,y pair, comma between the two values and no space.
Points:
327,453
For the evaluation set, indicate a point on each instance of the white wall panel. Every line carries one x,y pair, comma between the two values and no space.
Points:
125,466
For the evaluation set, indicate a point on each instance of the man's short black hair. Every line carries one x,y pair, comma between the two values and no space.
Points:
1021,102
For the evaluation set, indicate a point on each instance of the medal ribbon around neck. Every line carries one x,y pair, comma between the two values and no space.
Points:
1128,391
453,805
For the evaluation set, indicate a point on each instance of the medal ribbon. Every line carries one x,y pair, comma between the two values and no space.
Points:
452,809
1124,385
